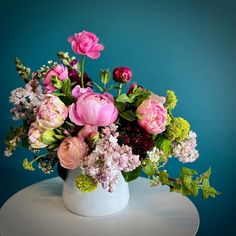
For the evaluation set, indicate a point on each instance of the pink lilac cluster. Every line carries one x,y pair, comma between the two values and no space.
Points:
26,101
109,158
186,150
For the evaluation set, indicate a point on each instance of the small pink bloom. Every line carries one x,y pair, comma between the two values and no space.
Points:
52,112
122,74
93,109
86,43
35,133
153,115
71,152
60,71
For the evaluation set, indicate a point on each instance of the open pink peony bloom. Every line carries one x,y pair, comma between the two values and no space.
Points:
59,71
71,152
92,108
35,134
52,112
153,114
86,43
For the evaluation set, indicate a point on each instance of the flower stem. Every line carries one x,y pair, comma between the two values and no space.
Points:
82,72
38,158
119,90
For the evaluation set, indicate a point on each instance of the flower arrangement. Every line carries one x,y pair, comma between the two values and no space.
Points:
100,133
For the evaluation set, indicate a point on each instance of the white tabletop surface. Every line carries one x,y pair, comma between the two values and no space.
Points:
38,211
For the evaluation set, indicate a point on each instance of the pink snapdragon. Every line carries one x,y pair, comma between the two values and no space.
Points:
52,112
86,43
58,71
153,115
92,108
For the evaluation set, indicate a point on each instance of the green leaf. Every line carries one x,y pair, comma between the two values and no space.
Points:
123,98
163,175
57,83
120,106
128,115
67,89
165,145
148,167
132,175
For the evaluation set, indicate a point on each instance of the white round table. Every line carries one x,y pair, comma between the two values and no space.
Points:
38,211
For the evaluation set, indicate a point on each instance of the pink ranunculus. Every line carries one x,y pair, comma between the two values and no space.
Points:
152,114
59,71
93,109
86,43
71,152
122,74
34,136
52,112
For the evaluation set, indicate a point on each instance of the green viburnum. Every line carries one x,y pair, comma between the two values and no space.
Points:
28,165
177,130
168,119
171,100
86,183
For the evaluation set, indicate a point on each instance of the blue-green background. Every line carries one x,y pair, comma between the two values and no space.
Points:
187,46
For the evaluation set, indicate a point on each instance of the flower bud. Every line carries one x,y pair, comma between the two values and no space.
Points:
122,74
105,76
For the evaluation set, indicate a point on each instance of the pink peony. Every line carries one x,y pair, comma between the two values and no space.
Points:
152,114
122,74
60,71
71,152
92,108
86,43
35,134
52,112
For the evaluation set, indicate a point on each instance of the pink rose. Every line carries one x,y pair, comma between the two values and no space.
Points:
122,74
35,133
52,112
59,71
86,43
152,114
71,152
92,108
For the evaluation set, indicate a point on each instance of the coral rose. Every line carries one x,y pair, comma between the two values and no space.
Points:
59,71
71,152
153,115
52,112
92,108
86,43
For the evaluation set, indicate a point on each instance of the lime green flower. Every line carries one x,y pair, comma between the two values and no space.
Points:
86,183
177,130
28,165
168,119
171,100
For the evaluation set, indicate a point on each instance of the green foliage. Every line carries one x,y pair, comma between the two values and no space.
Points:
207,190
23,71
149,167
128,115
164,144
132,175
65,58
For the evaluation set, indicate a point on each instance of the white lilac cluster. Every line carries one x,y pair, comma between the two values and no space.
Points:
155,154
26,101
108,158
186,150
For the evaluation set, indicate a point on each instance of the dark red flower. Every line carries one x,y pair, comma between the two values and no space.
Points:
122,74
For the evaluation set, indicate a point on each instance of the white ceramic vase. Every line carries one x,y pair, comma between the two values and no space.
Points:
97,203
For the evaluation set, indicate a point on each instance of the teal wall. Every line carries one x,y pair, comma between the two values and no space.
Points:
187,46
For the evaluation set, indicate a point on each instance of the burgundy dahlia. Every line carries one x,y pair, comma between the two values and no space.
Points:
131,134
74,77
